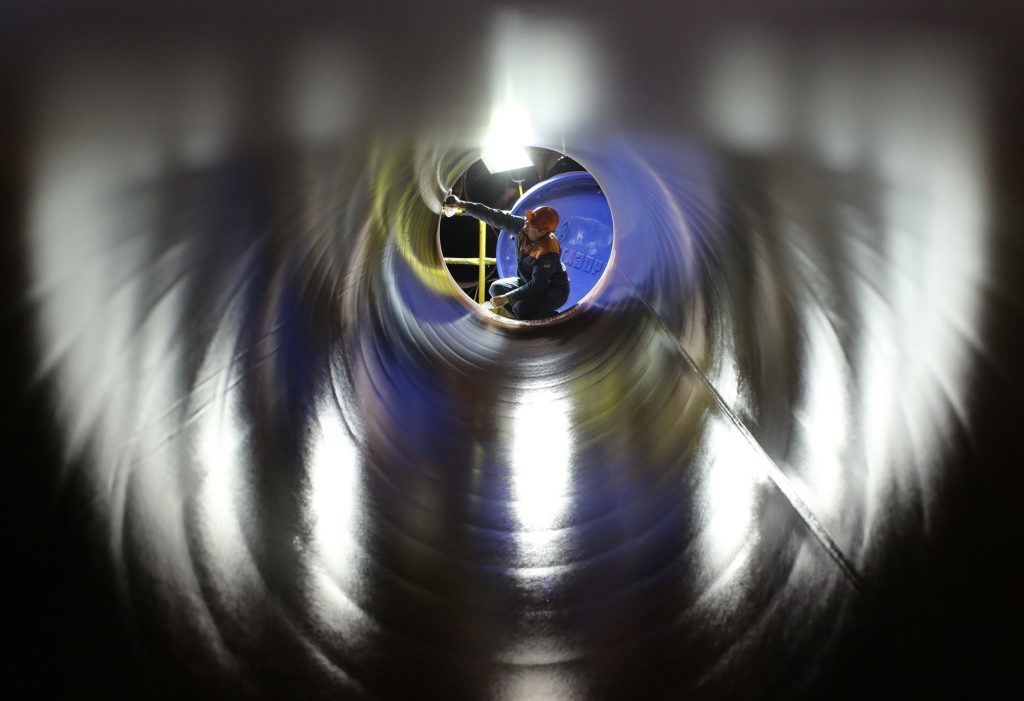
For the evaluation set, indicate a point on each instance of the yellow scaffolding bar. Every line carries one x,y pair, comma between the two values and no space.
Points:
483,252
470,261
481,261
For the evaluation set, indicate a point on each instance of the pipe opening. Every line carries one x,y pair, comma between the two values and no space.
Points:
487,258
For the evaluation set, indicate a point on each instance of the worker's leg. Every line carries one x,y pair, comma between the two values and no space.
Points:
541,307
503,286
525,308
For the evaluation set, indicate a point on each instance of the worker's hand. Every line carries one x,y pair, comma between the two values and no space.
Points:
453,201
499,301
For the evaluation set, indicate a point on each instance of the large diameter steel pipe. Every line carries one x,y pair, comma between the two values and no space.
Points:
261,445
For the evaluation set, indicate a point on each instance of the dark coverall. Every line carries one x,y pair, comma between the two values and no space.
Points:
542,285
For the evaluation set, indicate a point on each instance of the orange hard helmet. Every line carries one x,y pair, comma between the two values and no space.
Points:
544,218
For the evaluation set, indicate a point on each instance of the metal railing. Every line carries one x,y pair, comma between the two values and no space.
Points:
481,261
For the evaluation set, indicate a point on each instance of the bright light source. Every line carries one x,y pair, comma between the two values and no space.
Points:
507,138
503,158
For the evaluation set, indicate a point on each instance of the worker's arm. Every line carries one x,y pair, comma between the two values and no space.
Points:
494,217
543,270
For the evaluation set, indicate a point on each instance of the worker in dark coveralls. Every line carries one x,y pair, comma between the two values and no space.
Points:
542,285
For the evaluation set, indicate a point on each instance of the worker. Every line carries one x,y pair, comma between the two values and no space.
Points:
542,285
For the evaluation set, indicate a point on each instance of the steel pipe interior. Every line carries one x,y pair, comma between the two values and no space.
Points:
264,447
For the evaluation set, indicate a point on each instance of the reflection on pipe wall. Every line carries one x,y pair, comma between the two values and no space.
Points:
734,472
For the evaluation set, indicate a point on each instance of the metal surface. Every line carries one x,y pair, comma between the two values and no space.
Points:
261,446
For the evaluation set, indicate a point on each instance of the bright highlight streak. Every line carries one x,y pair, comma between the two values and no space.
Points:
332,513
541,458
331,499
729,494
